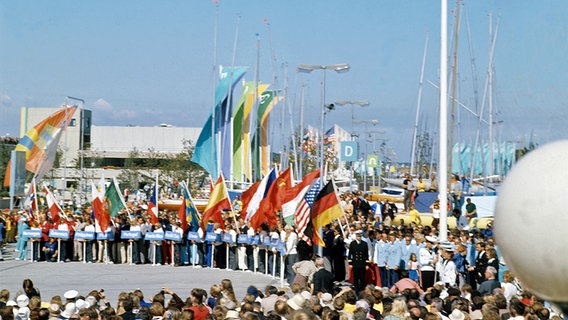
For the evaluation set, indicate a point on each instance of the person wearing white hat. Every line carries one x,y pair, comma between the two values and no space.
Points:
446,266
426,258
296,302
70,295
23,311
232,314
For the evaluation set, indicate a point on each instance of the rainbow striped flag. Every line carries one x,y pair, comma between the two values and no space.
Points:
38,141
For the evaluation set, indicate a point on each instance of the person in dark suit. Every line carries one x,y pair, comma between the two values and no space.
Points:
358,259
338,255
322,279
477,272
487,286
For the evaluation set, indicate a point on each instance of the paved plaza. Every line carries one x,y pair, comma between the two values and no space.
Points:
56,278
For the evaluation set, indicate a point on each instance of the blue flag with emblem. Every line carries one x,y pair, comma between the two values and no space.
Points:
190,209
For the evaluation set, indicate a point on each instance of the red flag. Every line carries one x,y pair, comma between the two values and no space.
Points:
273,201
153,205
290,193
182,215
52,205
218,201
325,210
102,216
246,197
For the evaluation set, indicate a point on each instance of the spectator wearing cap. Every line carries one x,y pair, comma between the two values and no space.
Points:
70,296
446,266
487,286
23,312
326,300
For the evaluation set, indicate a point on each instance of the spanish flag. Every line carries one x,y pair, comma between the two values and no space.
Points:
325,210
37,141
218,200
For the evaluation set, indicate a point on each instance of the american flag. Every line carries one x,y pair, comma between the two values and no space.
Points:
330,136
302,215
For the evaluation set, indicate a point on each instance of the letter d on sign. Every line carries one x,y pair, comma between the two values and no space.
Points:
349,150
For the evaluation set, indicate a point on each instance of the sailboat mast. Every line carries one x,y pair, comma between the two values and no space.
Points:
454,80
414,137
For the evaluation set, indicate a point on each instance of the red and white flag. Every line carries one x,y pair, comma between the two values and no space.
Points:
54,208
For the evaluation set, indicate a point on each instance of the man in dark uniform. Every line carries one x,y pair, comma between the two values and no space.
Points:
358,259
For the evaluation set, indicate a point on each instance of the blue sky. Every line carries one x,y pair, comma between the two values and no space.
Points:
150,62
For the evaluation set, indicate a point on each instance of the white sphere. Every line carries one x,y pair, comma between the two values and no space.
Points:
531,221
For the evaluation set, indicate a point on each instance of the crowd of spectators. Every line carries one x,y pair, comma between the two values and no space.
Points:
368,268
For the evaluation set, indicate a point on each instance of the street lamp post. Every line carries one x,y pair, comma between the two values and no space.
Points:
307,68
373,122
352,103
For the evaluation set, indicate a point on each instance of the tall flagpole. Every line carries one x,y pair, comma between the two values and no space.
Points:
229,109
213,84
443,165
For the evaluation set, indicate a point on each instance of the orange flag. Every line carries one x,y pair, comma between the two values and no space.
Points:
218,201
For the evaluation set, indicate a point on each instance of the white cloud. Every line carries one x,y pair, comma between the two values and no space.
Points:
102,105
6,100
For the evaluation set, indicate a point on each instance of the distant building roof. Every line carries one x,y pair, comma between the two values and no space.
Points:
115,141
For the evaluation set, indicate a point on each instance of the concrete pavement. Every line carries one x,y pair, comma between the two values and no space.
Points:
56,278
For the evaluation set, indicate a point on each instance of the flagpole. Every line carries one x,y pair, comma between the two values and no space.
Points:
157,191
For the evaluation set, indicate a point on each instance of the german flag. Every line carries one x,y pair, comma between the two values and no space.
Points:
325,210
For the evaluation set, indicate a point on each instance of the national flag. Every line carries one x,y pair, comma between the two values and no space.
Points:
291,197
329,136
268,100
273,201
113,200
191,214
247,196
302,215
101,216
254,203
37,141
238,131
153,204
182,214
54,208
325,210
33,199
206,153
249,129
218,201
